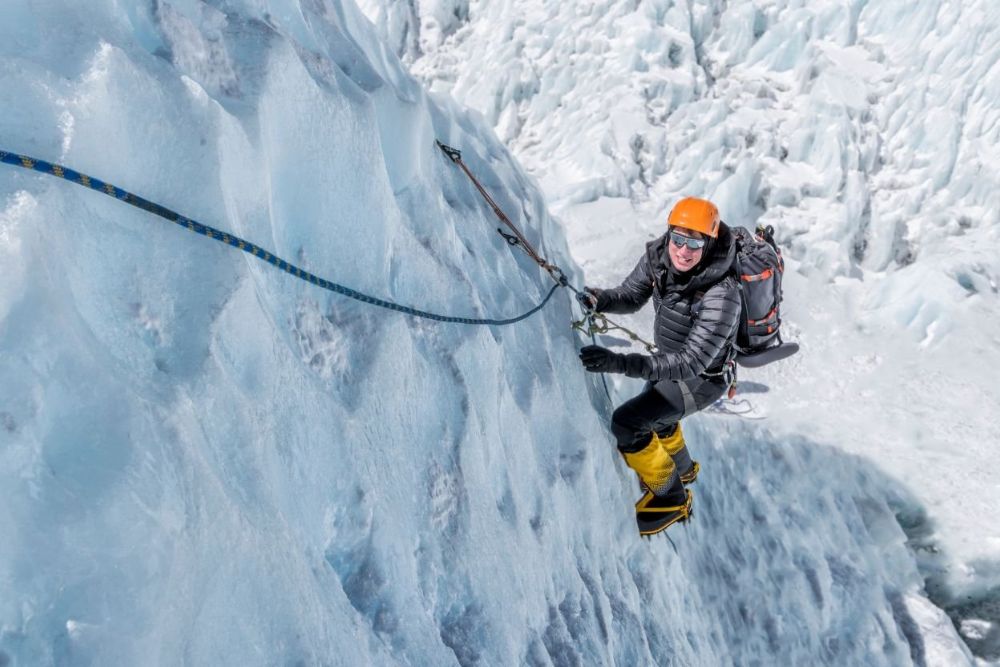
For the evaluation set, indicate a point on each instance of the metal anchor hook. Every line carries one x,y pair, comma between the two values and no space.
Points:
453,154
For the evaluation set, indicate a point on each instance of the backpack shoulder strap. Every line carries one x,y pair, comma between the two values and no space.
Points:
736,273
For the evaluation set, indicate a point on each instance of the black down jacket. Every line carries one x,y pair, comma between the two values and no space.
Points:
696,312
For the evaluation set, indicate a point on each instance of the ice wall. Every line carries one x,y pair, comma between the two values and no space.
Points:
205,461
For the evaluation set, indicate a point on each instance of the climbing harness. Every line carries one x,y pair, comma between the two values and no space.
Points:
74,176
728,375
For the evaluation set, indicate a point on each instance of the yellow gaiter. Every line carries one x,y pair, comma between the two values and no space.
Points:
653,465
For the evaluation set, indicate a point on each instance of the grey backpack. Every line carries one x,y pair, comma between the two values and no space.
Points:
759,268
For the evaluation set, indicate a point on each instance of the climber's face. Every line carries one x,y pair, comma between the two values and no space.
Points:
685,248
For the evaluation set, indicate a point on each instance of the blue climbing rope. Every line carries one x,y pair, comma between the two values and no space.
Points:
74,176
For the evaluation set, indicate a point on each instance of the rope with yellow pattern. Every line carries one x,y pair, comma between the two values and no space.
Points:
74,176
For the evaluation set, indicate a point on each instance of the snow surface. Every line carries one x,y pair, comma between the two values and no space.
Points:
205,461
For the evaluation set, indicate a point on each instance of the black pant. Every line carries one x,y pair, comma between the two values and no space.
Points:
660,407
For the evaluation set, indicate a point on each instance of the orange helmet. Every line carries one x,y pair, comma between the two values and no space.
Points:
698,215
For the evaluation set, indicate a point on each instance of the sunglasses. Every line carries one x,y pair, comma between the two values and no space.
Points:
680,241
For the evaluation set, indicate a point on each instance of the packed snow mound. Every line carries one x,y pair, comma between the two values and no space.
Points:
207,461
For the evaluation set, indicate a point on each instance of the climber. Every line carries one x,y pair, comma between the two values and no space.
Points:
689,274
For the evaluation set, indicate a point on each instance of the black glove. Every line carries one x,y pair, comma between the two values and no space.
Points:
590,298
597,359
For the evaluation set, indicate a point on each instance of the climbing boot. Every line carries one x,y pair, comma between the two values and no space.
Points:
673,443
654,513
665,501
